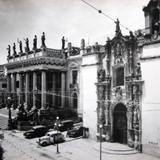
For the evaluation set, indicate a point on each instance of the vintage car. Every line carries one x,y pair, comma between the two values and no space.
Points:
52,137
76,131
36,131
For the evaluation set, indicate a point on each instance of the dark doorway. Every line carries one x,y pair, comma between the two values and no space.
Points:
120,124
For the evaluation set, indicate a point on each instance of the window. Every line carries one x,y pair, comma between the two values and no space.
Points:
17,84
4,85
118,76
74,76
155,21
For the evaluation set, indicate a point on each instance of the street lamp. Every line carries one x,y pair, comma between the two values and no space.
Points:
100,140
57,125
9,103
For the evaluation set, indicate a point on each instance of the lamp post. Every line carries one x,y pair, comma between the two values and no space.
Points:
100,139
57,125
9,103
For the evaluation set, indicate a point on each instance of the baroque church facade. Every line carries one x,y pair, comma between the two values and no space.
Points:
126,78
118,87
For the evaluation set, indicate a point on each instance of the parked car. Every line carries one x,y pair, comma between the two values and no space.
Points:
65,125
52,137
76,131
36,131
1,152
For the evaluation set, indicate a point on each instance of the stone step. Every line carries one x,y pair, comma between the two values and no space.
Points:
116,149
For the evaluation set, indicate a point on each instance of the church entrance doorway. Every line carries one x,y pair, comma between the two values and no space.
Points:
120,124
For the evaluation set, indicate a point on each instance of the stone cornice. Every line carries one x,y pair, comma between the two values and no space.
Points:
37,61
150,57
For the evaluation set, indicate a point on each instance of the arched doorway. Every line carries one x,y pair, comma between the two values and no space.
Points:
120,124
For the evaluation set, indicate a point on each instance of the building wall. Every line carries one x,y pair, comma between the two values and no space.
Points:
151,100
89,78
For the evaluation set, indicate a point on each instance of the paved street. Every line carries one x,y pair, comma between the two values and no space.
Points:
18,148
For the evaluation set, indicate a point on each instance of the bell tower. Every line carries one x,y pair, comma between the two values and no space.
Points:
152,18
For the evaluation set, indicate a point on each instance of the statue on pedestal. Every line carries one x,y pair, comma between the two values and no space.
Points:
63,42
14,49
20,46
43,38
101,75
118,30
27,44
9,50
35,42
82,44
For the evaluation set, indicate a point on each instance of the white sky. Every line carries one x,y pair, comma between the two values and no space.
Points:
70,18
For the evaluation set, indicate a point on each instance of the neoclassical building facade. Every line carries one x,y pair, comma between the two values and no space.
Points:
3,87
44,77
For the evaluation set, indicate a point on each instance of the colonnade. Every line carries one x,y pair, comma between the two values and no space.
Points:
24,87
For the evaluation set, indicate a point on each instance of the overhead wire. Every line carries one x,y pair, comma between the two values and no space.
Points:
106,15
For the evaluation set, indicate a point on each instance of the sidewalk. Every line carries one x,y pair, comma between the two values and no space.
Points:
86,149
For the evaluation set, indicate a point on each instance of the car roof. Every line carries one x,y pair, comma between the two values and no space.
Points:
40,126
65,121
53,132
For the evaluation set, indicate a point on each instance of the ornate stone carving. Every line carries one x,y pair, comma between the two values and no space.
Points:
101,75
130,114
138,69
118,93
136,116
101,92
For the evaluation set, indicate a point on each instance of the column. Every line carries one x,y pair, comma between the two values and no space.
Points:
20,88
43,90
27,88
34,88
9,84
53,88
68,80
14,83
62,89
14,90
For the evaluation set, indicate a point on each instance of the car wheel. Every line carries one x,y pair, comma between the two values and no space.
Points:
29,137
44,144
